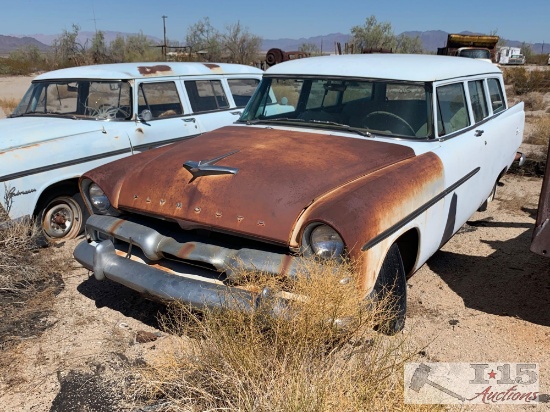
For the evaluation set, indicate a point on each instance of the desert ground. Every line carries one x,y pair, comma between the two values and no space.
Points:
484,297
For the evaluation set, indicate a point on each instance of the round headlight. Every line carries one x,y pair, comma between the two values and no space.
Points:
99,200
326,242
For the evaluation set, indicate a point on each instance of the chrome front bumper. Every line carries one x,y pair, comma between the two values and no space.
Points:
190,284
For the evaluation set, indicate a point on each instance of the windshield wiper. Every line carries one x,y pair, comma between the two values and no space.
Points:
278,120
357,130
343,126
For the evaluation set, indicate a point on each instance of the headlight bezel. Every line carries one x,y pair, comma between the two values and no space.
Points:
95,207
322,247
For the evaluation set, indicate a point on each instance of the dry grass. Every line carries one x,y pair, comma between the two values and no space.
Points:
304,359
525,81
534,101
8,105
540,133
29,279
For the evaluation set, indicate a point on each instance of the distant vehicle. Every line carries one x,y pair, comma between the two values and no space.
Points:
470,45
276,56
510,55
75,119
378,158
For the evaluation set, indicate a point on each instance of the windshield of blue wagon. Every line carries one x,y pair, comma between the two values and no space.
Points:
400,109
98,100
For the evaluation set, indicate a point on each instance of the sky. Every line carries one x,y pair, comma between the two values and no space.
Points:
525,20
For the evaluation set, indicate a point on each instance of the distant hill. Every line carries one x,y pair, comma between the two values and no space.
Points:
85,37
11,43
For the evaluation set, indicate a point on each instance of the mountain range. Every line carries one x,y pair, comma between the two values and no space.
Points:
431,40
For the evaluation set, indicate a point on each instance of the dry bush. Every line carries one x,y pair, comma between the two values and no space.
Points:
29,279
526,81
541,131
8,105
320,353
534,101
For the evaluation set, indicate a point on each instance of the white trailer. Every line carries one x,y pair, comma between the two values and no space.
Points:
510,55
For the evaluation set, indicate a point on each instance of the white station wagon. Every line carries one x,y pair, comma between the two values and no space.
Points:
375,158
75,119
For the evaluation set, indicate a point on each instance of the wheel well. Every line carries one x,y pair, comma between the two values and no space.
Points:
67,187
408,244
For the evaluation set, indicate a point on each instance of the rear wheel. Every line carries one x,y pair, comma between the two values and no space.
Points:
391,287
62,217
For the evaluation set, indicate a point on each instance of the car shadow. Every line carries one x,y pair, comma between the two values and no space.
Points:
511,281
122,299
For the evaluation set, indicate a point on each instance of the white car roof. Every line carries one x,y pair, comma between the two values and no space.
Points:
119,71
408,67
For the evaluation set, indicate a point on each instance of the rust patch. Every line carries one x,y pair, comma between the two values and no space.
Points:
159,69
213,67
139,130
115,226
186,250
285,264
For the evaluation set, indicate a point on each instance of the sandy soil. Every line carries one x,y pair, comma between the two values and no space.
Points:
483,298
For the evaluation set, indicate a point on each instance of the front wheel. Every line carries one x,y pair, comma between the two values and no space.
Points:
63,217
391,288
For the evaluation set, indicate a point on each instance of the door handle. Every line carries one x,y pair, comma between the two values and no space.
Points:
479,132
189,119
237,113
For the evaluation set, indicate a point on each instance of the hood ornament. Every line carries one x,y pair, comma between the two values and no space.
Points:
208,167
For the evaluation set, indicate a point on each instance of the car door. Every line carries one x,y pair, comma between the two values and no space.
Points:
211,103
499,128
163,117
462,152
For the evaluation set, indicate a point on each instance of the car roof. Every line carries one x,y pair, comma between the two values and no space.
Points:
118,71
407,67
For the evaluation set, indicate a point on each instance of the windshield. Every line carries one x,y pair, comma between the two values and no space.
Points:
379,107
98,100
475,53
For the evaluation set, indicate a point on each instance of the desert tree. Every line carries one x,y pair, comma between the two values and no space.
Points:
138,47
67,50
373,35
117,49
310,48
203,37
408,44
98,50
241,45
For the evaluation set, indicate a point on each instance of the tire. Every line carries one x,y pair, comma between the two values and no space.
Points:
62,217
391,285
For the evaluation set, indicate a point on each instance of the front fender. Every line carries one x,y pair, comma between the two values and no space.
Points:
366,207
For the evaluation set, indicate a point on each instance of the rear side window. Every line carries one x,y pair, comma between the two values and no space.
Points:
206,95
479,102
162,99
242,90
497,97
452,111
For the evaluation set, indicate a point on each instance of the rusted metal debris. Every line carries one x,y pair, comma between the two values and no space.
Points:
275,56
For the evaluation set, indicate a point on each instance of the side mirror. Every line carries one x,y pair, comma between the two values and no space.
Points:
145,115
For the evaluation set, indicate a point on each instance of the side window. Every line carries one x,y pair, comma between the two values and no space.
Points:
324,93
356,91
206,95
452,112
495,92
161,98
479,102
242,90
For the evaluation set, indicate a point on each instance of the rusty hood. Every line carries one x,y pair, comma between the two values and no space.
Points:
268,177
